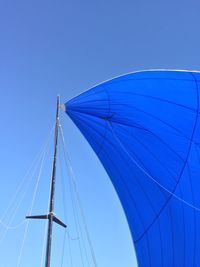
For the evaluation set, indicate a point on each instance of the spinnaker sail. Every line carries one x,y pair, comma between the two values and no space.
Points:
145,129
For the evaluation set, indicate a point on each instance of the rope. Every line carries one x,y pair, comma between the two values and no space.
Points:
63,249
80,233
77,226
46,225
24,179
76,223
70,251
64,201
73,181
15,211
65,217
149,175
32,204
8,227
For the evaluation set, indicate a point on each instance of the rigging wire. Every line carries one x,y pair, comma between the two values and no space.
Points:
35,163
81,238
63,249
70,250
149,175
8,226
15,211
33,201
73,182
46,227
76,221
64,201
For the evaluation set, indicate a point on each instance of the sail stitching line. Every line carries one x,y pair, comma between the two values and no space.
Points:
194,128
127,189
148,175
156,158
160,120
176,195
129,194
180,173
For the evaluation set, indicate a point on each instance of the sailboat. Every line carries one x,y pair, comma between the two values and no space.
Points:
144,128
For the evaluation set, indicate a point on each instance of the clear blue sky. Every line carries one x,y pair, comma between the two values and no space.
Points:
66,47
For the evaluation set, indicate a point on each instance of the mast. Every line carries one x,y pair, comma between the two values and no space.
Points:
50,216
53,183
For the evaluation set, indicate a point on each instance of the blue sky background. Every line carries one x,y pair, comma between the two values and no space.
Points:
66,47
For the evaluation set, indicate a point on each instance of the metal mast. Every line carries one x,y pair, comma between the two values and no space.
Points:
50,216
52,197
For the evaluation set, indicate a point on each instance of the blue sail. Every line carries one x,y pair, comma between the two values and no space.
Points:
145,129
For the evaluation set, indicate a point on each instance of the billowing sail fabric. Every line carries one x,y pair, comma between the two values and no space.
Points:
145,129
